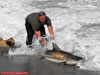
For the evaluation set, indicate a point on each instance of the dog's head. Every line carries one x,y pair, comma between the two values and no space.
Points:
10,42
1,38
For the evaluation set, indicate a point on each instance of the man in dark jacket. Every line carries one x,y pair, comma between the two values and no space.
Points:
35,25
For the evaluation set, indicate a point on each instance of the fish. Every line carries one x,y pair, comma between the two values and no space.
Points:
59,56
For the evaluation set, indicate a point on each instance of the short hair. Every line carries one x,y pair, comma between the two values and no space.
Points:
42,13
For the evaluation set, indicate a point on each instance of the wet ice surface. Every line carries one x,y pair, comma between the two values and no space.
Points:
76,21
35,66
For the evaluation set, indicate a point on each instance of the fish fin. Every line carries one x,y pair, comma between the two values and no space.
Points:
55,47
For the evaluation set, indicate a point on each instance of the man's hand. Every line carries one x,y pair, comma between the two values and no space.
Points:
51,37
45,48
40,38
50,28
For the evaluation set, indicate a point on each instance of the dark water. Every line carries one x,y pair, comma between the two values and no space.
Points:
35,66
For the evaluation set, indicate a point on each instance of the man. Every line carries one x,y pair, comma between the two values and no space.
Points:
35,25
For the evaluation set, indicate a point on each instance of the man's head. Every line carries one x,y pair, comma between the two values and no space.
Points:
42,17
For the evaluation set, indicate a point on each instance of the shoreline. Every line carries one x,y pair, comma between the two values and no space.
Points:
35,66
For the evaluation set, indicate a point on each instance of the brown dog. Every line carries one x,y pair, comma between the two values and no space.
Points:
5,45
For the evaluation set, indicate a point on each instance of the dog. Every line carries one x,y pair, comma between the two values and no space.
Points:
5,45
